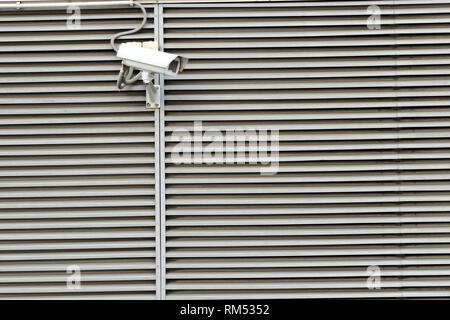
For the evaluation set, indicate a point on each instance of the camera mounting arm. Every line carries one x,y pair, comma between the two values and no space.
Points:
152,91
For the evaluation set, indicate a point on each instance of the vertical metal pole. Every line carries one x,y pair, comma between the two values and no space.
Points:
162,154
161,158
157,145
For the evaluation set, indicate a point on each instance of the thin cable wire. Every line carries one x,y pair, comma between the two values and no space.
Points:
128,76
138,28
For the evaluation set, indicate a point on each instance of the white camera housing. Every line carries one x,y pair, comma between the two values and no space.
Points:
151,60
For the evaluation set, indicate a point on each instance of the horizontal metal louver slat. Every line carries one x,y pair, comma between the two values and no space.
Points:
77,159
363,177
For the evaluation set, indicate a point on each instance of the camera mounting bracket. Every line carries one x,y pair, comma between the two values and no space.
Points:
152,91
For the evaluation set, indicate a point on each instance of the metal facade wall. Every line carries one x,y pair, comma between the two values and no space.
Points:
364,172
77,160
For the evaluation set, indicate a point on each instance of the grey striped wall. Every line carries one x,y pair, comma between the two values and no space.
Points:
77,165
87,178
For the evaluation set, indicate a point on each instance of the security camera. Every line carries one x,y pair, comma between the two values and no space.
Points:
144,56
151,60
